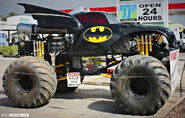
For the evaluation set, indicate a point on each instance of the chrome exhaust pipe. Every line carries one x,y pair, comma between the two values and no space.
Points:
25,28
32,28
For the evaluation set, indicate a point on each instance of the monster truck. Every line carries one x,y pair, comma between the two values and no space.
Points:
88,43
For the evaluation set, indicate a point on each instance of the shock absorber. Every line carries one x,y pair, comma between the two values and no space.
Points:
144,44
40,49
138,43
142,52
34,48
150,43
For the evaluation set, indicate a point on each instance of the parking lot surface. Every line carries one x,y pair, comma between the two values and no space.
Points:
88,101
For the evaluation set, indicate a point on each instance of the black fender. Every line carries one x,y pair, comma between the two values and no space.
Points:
129,29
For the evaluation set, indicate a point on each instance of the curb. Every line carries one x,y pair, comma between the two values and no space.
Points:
1,56
170,109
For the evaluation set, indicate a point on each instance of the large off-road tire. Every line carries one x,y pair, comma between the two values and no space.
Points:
29,82
62,86
140,85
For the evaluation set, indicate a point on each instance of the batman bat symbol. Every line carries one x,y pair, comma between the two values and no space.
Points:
97,34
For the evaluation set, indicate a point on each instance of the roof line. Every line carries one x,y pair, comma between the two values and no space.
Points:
171,6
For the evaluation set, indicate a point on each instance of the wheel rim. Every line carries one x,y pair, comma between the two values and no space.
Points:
23,83
138,87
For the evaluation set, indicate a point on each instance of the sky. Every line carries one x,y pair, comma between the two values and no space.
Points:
7,6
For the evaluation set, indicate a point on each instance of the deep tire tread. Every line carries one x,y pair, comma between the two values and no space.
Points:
158,68
47,79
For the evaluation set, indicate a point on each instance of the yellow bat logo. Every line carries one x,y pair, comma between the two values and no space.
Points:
22,43
97,34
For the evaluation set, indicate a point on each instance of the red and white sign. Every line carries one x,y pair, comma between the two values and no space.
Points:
175,77
73,79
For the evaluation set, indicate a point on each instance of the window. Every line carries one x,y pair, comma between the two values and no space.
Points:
112,19
92,18
24,20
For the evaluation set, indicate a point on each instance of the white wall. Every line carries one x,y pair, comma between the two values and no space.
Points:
178,19
17,19
12,23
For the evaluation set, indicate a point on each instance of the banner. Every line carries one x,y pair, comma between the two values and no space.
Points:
3,39
175,77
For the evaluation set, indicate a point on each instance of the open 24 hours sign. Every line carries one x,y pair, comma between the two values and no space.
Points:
150,12
143,11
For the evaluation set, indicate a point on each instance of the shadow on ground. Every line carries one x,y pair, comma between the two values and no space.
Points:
85,93
5,102
2,92
105,106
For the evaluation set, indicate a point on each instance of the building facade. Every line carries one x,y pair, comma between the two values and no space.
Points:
8,33
176,9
